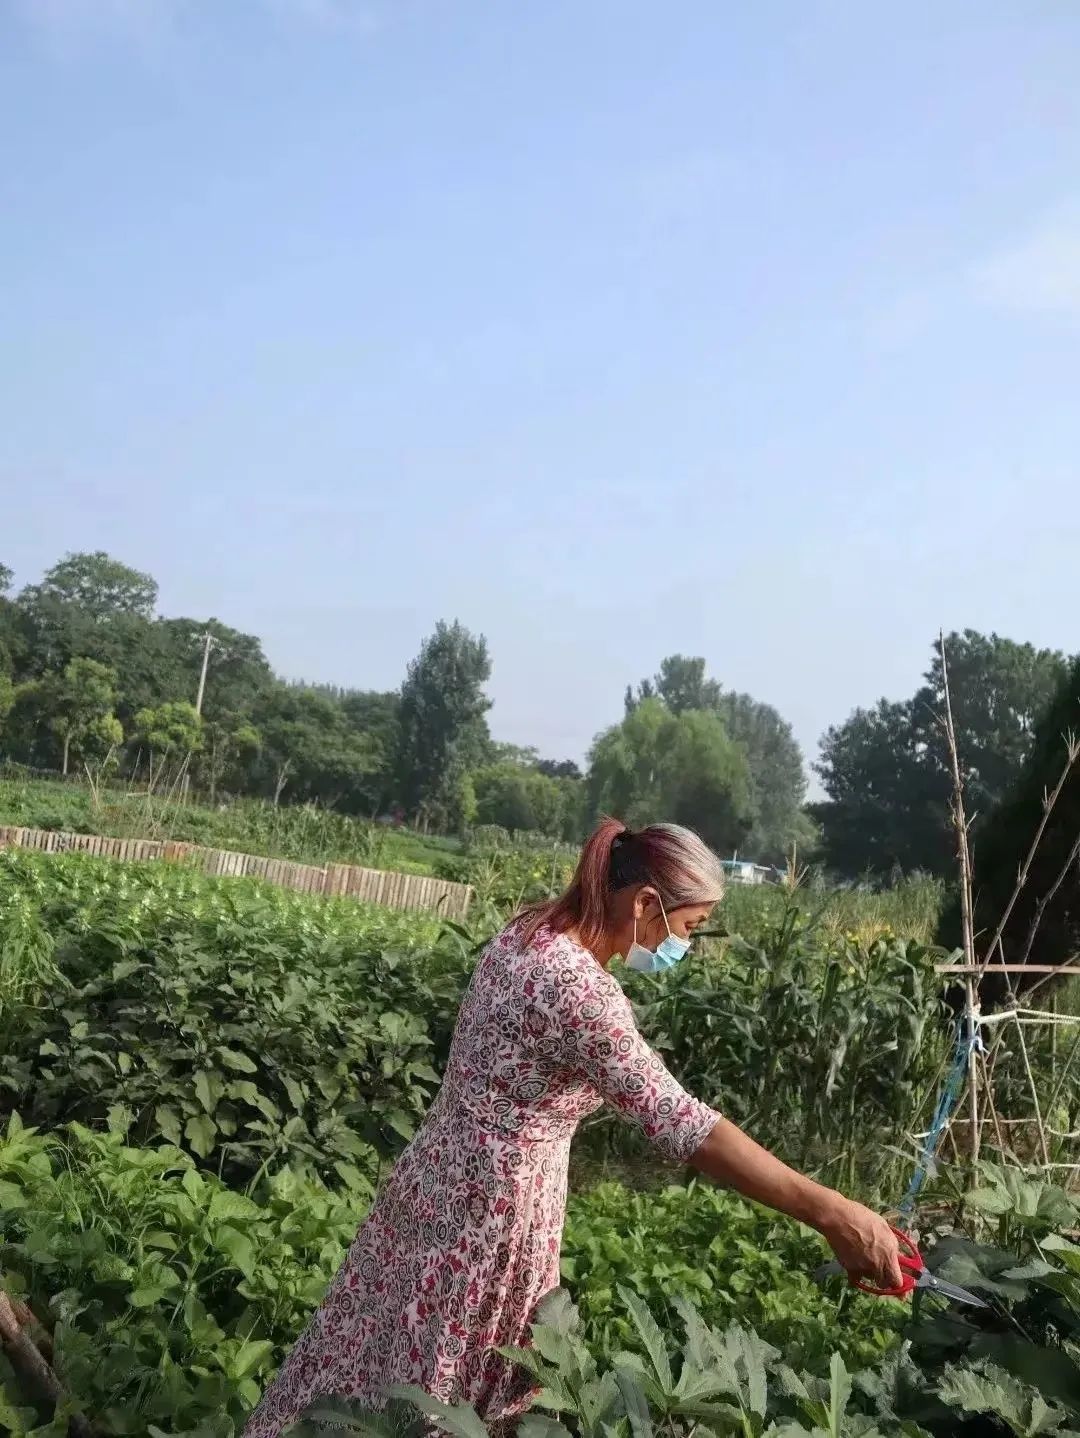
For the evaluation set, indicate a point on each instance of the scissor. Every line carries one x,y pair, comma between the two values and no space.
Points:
916,1275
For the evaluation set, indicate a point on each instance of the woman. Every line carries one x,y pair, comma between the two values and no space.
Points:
464,1240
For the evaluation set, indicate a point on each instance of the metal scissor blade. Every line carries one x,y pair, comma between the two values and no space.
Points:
930,1283
828,1270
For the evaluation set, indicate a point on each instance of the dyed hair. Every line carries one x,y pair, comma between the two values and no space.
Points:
673,860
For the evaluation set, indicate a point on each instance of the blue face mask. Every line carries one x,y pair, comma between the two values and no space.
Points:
667,953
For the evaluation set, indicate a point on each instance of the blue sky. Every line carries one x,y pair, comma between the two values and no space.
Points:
612,329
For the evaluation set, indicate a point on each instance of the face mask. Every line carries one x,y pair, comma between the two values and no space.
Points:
667,953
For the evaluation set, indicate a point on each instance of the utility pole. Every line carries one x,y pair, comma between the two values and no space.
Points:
208,643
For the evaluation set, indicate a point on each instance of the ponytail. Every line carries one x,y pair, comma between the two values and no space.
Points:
682,868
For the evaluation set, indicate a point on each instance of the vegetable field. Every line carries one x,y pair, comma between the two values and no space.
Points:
202,1082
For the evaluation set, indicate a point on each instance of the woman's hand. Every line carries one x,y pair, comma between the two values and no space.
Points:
864,1243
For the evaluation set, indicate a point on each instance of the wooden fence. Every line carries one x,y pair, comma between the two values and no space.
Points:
374,886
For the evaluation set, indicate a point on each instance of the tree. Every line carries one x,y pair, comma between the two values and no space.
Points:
1000,691
99,586
77,707
443,732
172,731
1044,924
228,743
7,684
886,771
307,746
885,806
372,717
517,797
657,765
87,606
523,756
777,775
9,628
706,782
7,700
559,768
680,683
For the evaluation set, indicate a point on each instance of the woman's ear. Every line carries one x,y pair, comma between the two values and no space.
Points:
645,901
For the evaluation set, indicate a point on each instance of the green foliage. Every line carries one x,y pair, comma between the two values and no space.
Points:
307,747
886,805
1044,923
982,1375
443,731
76,707
98,585
733,1260
241,1061
243,1023
172,731
682,766
171,1298
886,770
7,694
517,797
776,778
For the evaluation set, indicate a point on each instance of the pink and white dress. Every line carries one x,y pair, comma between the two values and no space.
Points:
463,1241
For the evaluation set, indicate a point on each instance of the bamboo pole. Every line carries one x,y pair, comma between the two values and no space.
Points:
963,850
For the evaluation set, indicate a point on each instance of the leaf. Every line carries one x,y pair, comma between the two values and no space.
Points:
204,1092
246,1091
401,1123
992,1201
237,1061
16,1420
11,1196
168,1122
992,1391
253,1354
1034,1268
839,1394
200,1132
352,1178
145,1297
459,1419
652,1339
237,1247
557,1310
540,1425
635,1403
526,1358
119,1119
160,1238
226,1205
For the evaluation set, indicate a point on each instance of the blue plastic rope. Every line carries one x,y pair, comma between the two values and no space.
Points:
950,1096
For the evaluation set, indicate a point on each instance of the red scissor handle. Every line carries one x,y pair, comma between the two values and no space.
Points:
911,1266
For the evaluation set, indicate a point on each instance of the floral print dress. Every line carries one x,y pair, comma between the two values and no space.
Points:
463,1241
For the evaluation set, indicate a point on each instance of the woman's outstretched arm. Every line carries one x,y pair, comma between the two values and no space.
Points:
861,1239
